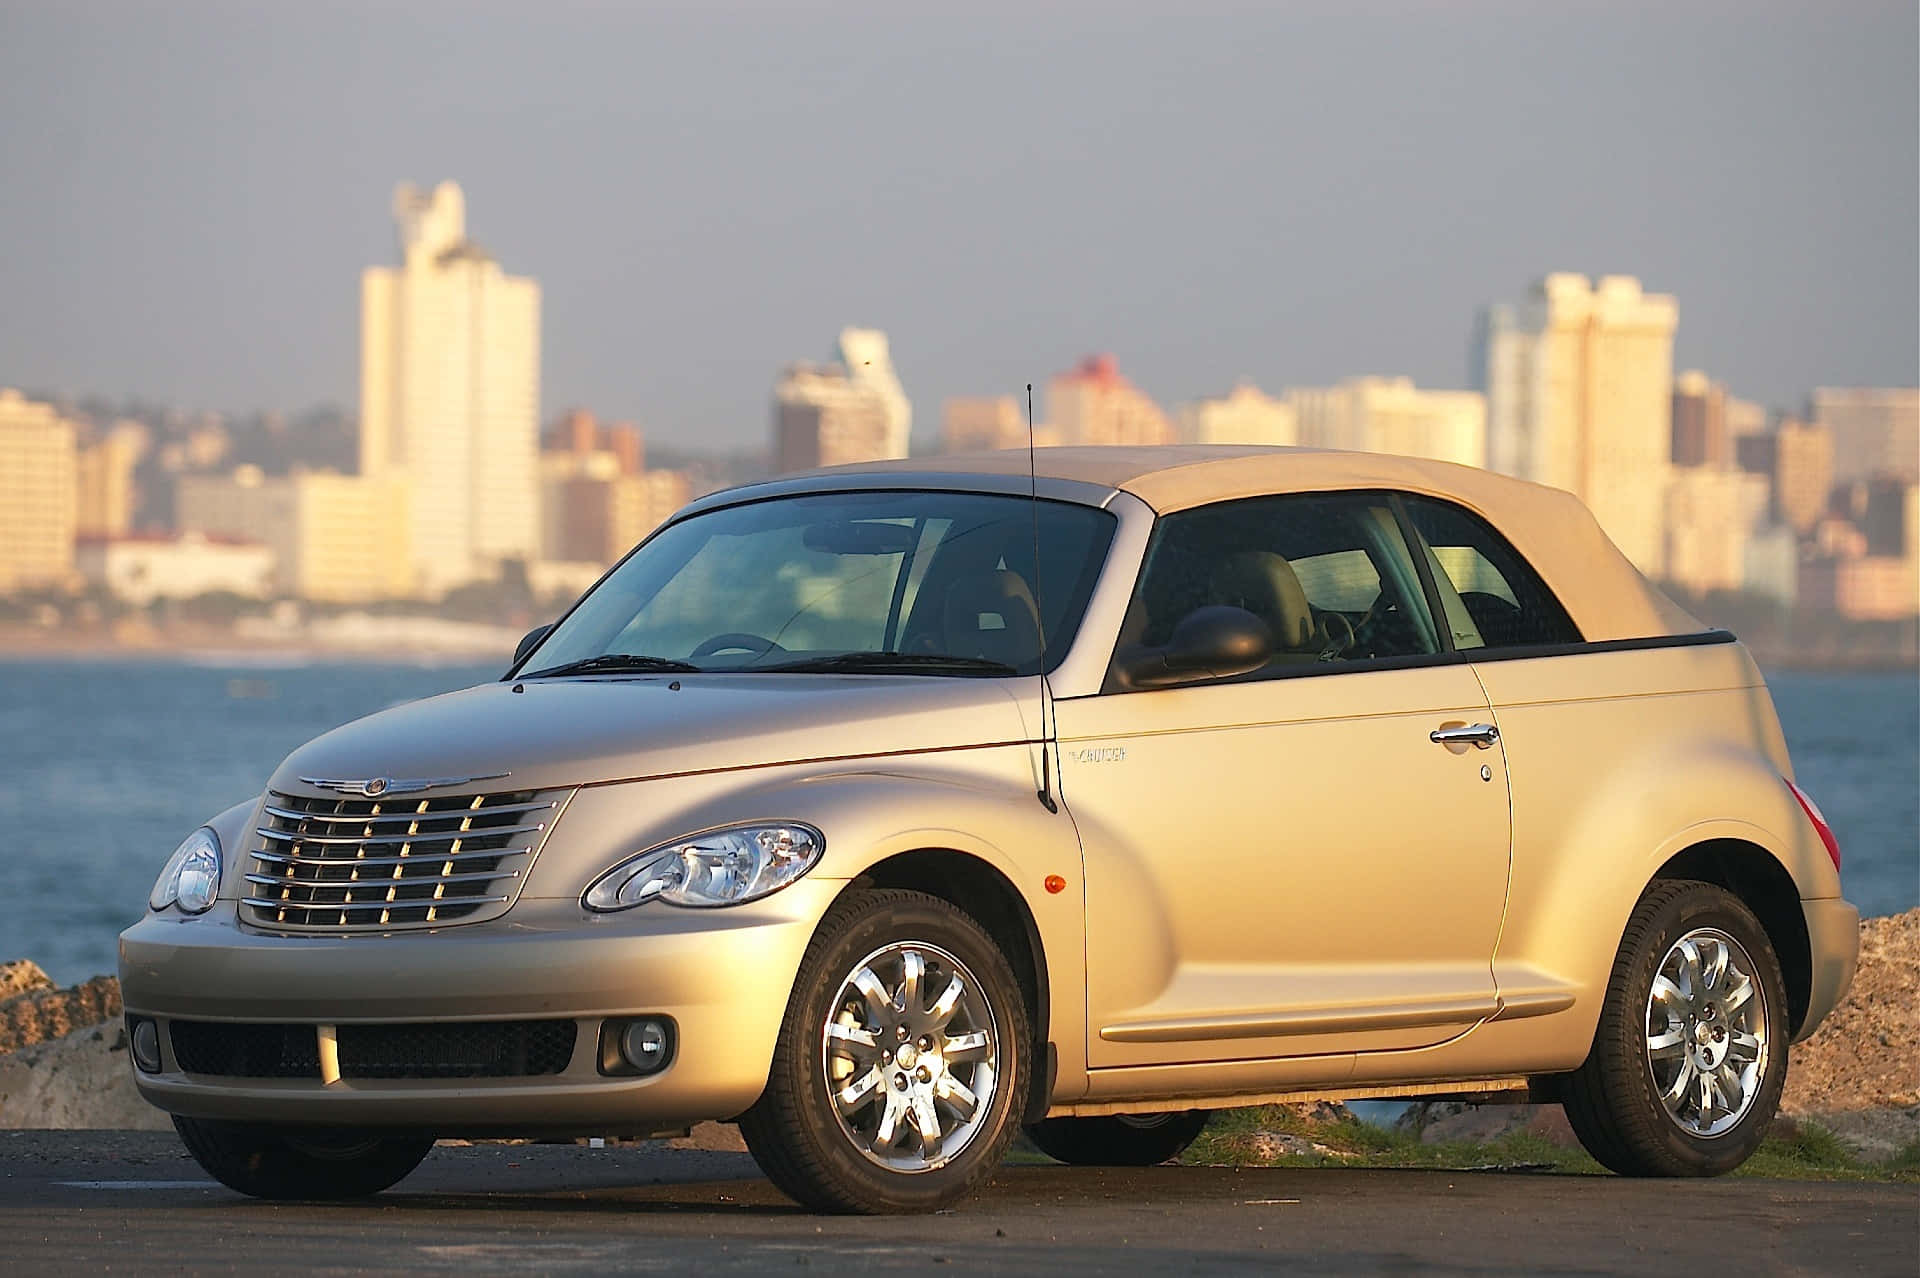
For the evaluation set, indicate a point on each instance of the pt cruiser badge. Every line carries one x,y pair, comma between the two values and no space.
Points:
804,818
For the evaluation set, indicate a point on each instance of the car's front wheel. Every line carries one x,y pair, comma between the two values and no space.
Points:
1691,1051
901,1068
300,1163
1118,1140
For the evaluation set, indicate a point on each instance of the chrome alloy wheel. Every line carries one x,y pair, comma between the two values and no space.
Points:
1707,1032
911,1056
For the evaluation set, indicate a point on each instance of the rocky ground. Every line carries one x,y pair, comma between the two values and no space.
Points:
63,1062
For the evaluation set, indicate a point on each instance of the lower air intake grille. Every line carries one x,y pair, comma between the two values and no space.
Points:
246,1051
475,1049
460,1049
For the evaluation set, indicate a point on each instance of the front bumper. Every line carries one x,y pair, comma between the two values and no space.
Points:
1833,948
722,976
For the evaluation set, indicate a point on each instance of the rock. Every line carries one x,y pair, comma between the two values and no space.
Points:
82,1080
1866,1054
1267,1146
20,977
40,1014
718,1136
1438,1122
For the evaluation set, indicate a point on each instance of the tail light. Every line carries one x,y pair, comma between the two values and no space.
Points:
1820,826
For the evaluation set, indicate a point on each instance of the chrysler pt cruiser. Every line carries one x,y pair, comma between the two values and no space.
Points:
890,810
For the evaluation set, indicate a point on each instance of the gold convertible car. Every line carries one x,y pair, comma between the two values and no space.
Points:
891,809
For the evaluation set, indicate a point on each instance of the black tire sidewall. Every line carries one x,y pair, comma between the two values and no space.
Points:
1652,1138
869,922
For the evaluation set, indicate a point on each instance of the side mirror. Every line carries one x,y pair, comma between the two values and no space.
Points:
530,642
1215,642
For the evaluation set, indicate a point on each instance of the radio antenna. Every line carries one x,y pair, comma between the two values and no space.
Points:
1045,794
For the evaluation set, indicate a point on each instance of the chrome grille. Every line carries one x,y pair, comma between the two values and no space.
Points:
373,865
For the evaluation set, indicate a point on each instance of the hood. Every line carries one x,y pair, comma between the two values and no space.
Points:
547,733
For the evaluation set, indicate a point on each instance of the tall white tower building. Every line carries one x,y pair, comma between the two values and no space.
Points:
869,364
1579,382
450,392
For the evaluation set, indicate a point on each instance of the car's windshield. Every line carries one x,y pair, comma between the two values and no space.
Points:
867,582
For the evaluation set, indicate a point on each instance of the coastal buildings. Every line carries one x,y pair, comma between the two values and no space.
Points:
598,500
105,495
450,393
141,569
1391,415
37,494
970,424
865,355
335,538
1579,385
1094,404
826,415
1244,415
1875,430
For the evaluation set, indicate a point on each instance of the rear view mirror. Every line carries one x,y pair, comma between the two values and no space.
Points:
859,537
1215,642
530,641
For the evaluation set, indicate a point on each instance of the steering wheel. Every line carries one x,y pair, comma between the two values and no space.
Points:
1334,635
735,641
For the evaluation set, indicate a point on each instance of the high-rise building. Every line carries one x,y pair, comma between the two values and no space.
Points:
1711,517
1802,474
597,500
1094,404
972,423
823,417
104,476
864,354
1391,415
1579,385
450,392
36,494
1244,415
1701,436
335,538
1875,431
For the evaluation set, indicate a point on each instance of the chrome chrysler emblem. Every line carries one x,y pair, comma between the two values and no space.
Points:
374,787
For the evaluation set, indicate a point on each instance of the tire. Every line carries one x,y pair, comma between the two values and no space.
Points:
289,1163
1122,1140
821,1130
1721,1015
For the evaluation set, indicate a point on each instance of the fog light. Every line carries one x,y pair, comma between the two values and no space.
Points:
143,1037
643,1046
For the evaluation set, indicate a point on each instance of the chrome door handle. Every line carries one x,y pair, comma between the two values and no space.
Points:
1475,734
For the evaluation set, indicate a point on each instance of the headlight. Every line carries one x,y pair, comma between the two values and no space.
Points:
191,878
719,867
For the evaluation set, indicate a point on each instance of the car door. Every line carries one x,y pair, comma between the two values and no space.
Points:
1288,863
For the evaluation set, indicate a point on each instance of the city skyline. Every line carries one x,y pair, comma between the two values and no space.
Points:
1212,199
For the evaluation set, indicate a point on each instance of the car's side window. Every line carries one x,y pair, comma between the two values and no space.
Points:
1329,574
1491,597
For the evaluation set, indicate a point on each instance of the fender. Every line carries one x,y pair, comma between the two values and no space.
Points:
869,812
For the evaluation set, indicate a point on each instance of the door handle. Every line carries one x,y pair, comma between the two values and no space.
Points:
1474,734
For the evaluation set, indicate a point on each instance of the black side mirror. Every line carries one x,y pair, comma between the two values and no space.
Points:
1215,642
530,642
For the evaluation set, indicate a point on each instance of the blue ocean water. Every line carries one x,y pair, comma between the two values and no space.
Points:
106,764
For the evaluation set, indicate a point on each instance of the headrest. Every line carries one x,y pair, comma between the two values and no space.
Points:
1265,585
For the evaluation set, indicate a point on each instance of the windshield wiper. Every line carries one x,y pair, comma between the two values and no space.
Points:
892,663
617,662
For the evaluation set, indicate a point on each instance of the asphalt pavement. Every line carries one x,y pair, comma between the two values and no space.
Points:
73,1202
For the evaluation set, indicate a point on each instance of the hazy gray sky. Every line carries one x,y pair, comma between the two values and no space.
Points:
1289,192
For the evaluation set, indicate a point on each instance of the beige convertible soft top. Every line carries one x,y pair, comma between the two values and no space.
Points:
1605,595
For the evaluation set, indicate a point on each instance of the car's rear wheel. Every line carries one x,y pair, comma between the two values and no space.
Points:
901,1067
300,1163
1691,1051
1119,1140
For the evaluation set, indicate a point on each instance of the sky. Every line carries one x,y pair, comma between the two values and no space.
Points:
1288,192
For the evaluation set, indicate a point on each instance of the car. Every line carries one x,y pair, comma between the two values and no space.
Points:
892,809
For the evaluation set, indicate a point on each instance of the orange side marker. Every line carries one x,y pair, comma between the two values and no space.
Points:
1056,884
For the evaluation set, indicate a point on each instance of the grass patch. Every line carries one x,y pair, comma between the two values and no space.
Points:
1278,1136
